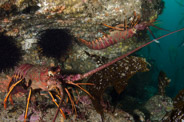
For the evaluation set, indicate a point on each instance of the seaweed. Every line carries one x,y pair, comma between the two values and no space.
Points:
99,60
177,114
116,75
163,81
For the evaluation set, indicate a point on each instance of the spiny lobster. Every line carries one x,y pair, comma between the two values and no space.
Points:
41,78
32,77
119,33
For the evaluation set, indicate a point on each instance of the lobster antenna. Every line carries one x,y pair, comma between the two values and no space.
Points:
127,54
61,101
159,28
151,32
154,37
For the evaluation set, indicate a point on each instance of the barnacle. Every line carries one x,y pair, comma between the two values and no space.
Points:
163,82
116,75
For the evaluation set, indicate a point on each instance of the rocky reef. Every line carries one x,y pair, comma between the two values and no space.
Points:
24,20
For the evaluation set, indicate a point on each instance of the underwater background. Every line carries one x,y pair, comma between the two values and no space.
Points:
168,54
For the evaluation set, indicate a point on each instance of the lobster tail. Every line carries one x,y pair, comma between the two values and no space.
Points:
85,42
100,43
111,39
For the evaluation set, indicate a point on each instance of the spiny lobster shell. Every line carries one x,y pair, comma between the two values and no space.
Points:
38,75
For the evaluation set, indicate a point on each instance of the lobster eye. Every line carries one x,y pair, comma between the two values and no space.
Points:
50,73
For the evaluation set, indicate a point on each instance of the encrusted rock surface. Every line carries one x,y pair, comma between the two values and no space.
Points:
25,19
45,111
158,106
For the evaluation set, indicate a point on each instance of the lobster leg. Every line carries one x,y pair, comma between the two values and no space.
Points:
10,96
60,99
9,83
27,106
159,28
57,94
11,99
72,102
77,96
69,95
125,25
137,20
75,100
115,28
67,100
11,89
84,83
57,104
132,22
11,80
77,84
151,32
63,101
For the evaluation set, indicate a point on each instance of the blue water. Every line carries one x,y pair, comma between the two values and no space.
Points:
169,54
